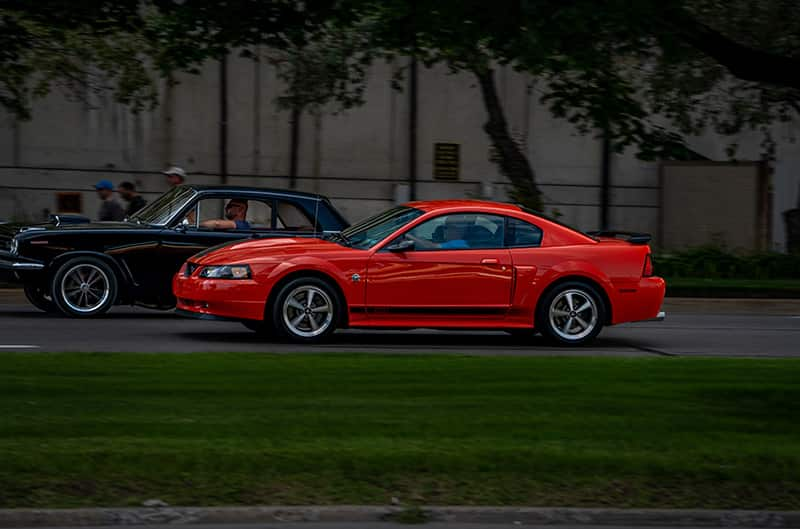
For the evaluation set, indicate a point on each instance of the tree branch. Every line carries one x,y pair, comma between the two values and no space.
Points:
742,61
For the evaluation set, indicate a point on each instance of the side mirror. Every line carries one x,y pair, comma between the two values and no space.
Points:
183,225
401,246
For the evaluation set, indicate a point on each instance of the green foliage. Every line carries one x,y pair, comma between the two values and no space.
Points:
92,55
713,262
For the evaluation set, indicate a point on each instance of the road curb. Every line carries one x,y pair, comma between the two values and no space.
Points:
364,514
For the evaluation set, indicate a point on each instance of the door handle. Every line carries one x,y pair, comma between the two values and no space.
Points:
489,261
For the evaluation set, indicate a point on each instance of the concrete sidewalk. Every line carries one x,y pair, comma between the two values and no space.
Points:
374,514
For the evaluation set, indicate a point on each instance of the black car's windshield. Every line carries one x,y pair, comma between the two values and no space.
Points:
161,209
371,231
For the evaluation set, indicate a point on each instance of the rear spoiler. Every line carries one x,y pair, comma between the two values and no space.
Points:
631,237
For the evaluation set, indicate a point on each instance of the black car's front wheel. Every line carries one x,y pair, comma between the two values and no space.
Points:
40,297
306,309
84,287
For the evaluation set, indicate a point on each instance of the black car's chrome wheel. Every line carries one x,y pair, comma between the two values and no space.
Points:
40,297
306,309
84,287
572,313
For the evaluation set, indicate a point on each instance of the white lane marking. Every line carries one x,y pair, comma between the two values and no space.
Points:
19,346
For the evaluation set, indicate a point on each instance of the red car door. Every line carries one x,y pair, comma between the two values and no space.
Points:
437,281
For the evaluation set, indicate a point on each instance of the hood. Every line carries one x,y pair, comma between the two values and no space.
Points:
51,228
273,249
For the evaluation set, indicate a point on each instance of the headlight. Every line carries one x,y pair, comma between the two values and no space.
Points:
226,272
14,246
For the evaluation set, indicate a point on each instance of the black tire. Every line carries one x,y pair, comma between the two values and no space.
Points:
295,322
577,301
95,276
39,296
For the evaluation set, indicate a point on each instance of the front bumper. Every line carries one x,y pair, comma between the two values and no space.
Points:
12,265
9,261
226,299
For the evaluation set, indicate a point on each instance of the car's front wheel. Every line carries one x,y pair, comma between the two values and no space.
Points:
572,313
84,287
306,309
40,297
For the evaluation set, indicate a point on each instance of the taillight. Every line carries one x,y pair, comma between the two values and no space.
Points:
648,266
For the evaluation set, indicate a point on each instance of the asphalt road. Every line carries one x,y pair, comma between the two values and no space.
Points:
764,329
381,525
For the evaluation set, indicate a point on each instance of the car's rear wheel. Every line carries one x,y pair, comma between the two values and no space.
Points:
572,313
306,309
84,287
40,297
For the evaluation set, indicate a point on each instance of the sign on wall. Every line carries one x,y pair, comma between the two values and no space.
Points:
446,161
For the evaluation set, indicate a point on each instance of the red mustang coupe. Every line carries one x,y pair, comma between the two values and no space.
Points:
450,264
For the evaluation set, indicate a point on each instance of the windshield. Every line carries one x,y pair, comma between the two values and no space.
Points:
161,209
371,231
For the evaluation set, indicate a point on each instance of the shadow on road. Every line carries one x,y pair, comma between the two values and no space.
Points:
405,339
24,311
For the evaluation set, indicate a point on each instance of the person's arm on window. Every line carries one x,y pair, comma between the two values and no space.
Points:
218,224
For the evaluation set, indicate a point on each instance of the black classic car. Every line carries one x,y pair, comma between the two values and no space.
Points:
82,268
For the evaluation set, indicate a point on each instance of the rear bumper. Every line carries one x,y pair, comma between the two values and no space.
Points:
641,301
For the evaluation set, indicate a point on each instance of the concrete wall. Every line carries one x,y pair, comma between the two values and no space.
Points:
722,203
359,158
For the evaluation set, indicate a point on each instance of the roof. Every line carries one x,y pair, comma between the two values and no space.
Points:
253,189
432,205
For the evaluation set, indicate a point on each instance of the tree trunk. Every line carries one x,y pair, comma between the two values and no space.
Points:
512,161
294,144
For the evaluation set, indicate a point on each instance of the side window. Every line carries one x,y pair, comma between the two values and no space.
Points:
291,217
247,213
521,234
209,209
461,231
259,215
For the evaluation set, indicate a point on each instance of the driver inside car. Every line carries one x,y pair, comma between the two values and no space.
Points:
455,229
235,217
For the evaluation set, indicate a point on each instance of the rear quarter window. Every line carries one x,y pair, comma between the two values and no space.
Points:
521,234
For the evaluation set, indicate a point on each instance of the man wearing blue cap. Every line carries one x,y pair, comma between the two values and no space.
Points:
110,208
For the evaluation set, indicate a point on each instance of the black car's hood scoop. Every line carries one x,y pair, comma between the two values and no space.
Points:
61,219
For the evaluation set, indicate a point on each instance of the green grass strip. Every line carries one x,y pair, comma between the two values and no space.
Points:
223,429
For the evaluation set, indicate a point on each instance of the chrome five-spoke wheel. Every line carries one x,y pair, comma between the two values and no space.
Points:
572,313
306,309
84,287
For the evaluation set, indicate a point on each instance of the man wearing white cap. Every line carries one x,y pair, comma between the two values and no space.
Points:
175,176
